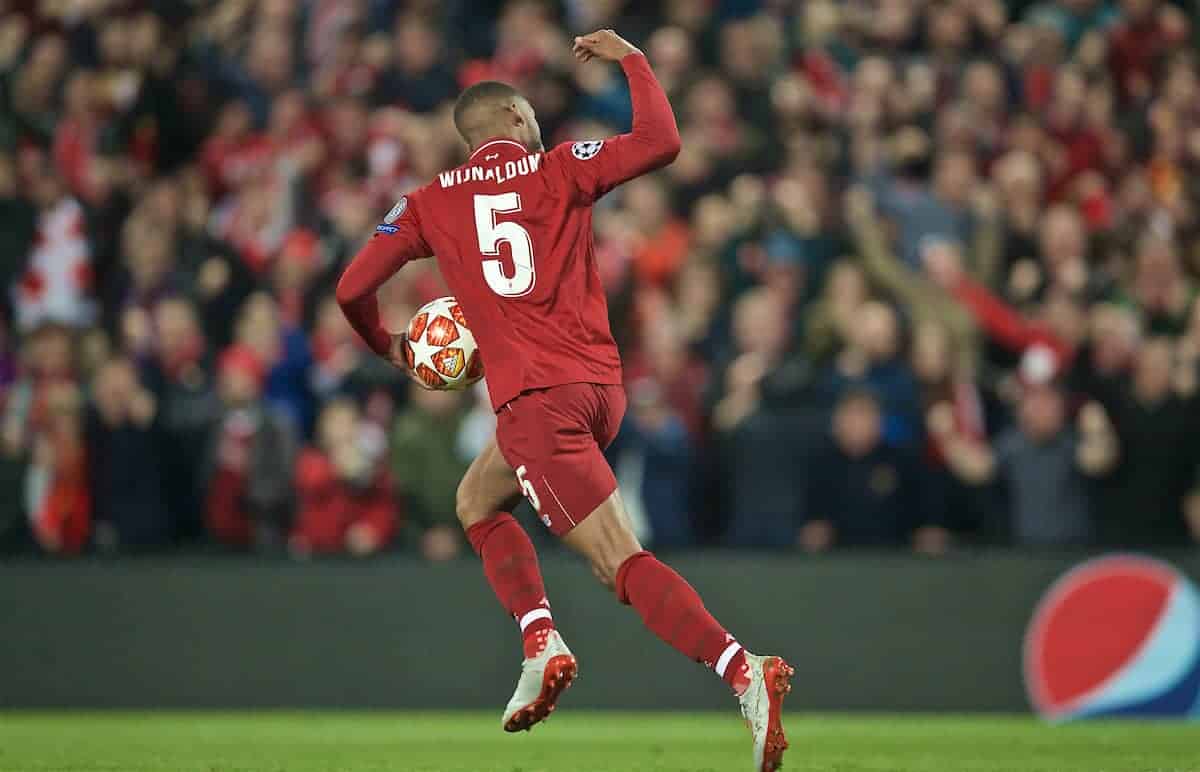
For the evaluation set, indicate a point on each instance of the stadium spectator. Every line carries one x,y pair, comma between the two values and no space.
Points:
283,350
428,461
344,497
1042,466
755,396
862,492
125,463
873,357
1142,503
653,457
250,460
180,374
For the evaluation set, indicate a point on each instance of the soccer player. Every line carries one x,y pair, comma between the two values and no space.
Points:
512,231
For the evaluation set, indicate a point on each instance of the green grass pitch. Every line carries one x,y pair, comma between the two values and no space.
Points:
576,741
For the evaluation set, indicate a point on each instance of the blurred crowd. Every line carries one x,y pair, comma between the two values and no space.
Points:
923,276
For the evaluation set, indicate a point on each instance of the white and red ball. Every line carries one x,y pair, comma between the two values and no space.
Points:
441,349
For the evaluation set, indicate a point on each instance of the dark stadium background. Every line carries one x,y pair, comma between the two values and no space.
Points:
910,327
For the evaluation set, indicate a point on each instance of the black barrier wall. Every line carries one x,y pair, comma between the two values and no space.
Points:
865,632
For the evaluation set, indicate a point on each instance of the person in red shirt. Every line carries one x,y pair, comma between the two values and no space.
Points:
344,494
512,231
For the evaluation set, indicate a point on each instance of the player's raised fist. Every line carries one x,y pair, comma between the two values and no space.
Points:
602,44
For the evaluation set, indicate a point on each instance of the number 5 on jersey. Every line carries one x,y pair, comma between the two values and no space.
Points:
491,234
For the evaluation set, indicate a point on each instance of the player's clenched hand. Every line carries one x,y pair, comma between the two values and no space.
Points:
396,357
602,44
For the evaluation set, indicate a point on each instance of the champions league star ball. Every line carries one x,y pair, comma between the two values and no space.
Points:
441,348
1116,636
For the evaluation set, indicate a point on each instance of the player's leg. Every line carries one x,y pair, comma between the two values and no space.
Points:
669,606
579,480
672,609
488,492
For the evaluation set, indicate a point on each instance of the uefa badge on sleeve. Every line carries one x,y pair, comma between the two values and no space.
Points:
396,211
585,150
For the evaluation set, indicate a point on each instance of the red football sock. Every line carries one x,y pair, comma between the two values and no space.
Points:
673,611
511,567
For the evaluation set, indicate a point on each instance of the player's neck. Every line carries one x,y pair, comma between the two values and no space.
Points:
499,139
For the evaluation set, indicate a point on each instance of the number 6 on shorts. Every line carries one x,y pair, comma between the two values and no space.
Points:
527,489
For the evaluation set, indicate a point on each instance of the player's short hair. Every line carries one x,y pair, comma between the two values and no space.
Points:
476,105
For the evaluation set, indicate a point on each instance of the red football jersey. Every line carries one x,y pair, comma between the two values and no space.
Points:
512,231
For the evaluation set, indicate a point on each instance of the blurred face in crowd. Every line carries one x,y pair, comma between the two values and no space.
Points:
177,325
78,98
858,425
114,384
347,123
1065,315
954,175
664,346
114,42
698,289
760,323
983,87
51,351
1062,236
873,77
1157,263
949,27
147,252
338,424
1019,178
1114,335
331,323
46,62
712,221
878,331
1042,413
259,326
1138,9
417,45
931,353
646,202
710,103
1180,89
1152,372
238,387
145,38
670,51
235,120
846,285
893,21
270,60
688,14
287,112
748,48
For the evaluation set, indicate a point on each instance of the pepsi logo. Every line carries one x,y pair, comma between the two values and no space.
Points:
1115,636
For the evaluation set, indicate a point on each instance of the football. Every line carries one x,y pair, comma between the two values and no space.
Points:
441,348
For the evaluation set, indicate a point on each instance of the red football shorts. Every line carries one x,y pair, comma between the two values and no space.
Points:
554,439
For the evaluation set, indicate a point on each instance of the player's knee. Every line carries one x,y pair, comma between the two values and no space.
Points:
468,507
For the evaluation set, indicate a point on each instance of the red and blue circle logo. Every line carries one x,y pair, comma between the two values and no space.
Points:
1116,636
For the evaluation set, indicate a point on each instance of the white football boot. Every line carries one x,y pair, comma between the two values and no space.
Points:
762,707
543,678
